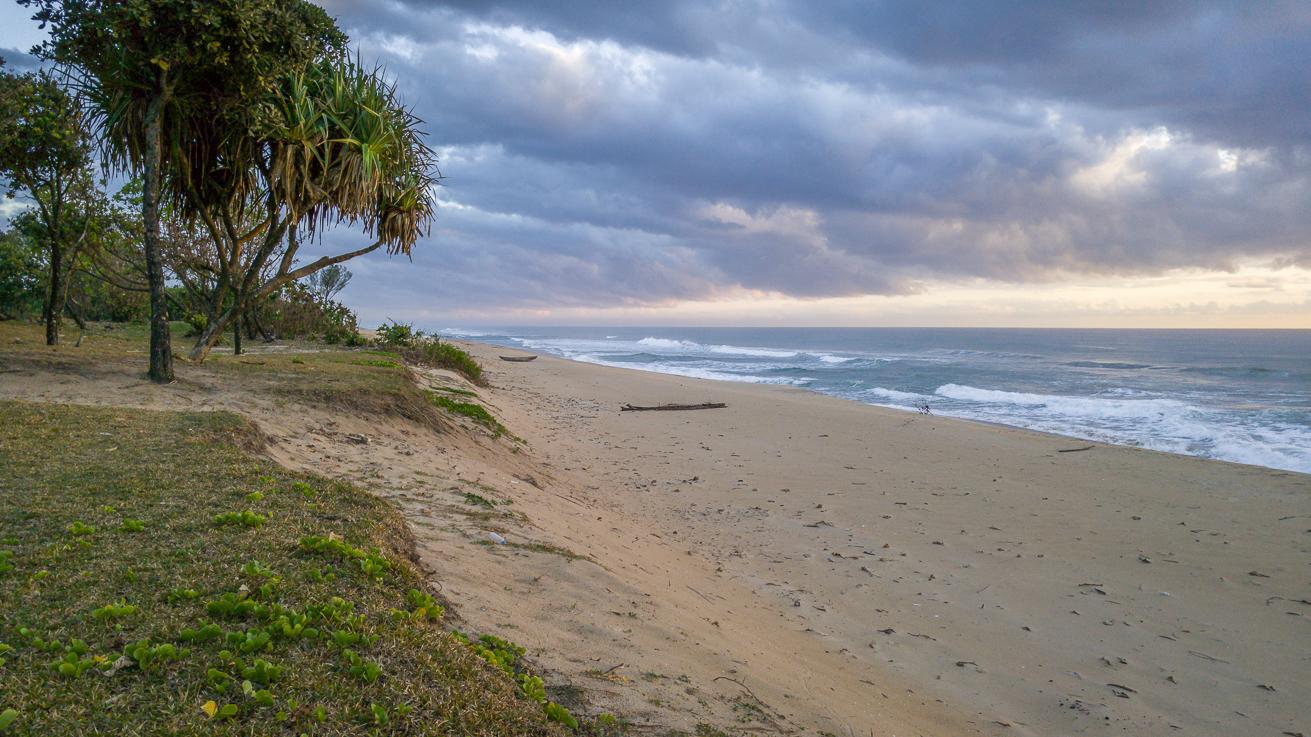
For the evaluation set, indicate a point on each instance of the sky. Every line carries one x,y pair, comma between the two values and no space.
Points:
778,162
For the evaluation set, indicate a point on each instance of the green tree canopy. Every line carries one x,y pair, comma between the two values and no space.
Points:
45,154
173,87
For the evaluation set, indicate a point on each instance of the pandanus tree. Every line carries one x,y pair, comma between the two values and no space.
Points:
171,85
334,149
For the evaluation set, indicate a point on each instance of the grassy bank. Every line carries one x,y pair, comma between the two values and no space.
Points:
155,577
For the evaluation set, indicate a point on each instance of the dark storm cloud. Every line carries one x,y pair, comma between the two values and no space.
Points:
617,154
820,150
614,153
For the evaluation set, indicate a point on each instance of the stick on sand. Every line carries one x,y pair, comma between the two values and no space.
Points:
669,407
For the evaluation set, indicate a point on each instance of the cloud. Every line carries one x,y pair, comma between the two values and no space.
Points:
604,154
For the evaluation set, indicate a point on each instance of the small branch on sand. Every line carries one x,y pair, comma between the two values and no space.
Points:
1076,450
744,688
671,407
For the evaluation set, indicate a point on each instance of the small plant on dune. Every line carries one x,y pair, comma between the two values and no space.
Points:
146,655
231,606
219,713
456,391
251,641
132,525
262,672
243,519
478,500
365,670
507,656
475,412
78,529
437,354
258,570
424,605
179,595
206,633
75,660
114,611
372,563
6,561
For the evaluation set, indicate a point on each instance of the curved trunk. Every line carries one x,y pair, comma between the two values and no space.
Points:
211,334
161,348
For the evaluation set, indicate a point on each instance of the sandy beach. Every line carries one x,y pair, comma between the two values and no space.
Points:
863,569
801,564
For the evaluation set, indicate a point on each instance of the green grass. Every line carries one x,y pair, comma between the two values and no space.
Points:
456,391
471,410
335,379
447,356
302,623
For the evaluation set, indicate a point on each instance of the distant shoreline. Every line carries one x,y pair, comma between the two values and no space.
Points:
898,409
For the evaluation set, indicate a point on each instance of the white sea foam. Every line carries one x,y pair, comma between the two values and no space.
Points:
734,350
880,392
693,372
665,344
1160,424
830,358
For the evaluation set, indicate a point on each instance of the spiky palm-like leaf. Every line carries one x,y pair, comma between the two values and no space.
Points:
342,149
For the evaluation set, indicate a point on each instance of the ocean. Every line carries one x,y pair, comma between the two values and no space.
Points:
1234,395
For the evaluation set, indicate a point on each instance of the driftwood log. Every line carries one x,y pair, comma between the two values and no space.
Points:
672,407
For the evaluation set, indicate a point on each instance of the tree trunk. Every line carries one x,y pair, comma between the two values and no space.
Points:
259,326
236,337
76,312
54,308
161,348
210,335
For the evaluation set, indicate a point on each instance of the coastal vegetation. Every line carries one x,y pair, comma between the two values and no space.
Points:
154,562
157,573
429,350
252,129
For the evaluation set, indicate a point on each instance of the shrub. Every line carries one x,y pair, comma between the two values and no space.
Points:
398,335
298,312
444,355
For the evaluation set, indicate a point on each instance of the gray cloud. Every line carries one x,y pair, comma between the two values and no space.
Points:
618,154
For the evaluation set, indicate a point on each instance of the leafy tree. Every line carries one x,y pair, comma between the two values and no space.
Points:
327,283
336,147
21,282
45,154
297,312
173,85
